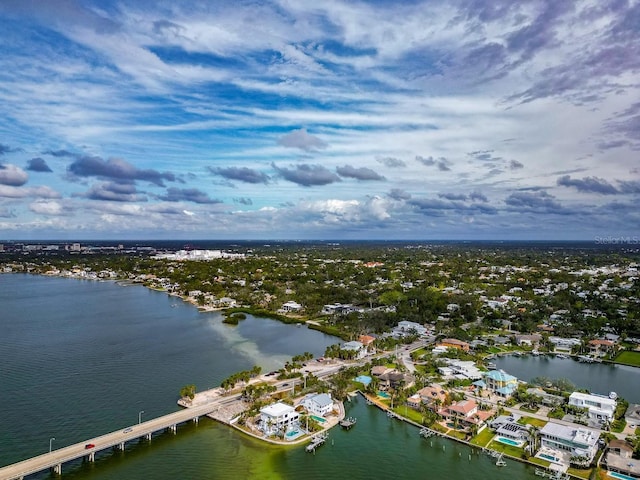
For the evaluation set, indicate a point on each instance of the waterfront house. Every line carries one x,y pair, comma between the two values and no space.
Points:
500,383
466,412
632,415
600,408
454,343
320,404
277,417
619,458
600,348
396,380
433,396
357,347
547,399
532,340
577,441
290,307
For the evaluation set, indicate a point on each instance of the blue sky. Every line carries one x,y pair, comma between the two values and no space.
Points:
465,119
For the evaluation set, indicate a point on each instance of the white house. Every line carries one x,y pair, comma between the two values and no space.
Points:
319,404
356,346
601,408
581,441
407,327
291,307
277,417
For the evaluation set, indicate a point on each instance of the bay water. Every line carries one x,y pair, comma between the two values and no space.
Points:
82,358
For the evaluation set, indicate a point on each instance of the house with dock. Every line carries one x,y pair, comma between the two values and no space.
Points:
570,440
319,404
277,418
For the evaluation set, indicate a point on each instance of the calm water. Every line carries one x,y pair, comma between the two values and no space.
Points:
595,377
84,358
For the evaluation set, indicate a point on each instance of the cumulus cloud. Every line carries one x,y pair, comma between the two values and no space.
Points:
515,165
484,156
49,207
307,175
302,140
116,169
188,195
440,162
38,164
453,196
243,201
60,153
115,192
28,192
540,202
435,207
588,185
391,162
12,175
362,173
399,194
478,197
242,174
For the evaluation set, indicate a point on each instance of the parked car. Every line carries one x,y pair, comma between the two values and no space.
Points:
127,430
89,445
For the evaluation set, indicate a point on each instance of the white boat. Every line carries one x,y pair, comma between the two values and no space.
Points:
500,462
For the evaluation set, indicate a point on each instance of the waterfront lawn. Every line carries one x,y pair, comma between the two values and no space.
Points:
539,461
628,358
580,473
483,438
409,413
507,449
456,434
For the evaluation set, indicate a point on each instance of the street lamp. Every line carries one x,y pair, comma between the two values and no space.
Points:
140,416
51,440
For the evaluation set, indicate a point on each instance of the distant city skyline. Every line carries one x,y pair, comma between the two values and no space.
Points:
409,120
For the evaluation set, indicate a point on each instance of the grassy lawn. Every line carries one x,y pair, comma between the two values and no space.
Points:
628,358
619,425
580,472
482,438
456,434
539,461
508,449
536,422
409,413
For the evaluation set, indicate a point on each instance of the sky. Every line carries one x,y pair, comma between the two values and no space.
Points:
297,119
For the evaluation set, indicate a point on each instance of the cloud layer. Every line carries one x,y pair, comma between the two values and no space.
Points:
268,119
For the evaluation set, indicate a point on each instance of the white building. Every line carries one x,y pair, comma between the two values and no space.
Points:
581,441
291,307
406,327
277,417
356,346
601,409
319,404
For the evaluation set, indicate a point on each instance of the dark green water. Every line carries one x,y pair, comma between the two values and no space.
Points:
84,358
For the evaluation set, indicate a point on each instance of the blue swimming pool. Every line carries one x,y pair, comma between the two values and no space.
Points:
551,458
318,419
508,441
384,395
621,476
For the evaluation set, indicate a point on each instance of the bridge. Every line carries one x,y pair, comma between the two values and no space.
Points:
56,458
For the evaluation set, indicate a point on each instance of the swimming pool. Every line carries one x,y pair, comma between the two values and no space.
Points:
384,395
318,419
551,458
293,434
508,441
621,476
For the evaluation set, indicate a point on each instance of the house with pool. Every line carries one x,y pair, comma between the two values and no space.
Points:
600,409
565,441
318,404
278,418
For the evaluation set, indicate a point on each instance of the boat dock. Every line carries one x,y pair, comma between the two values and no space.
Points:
347,423
316,441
